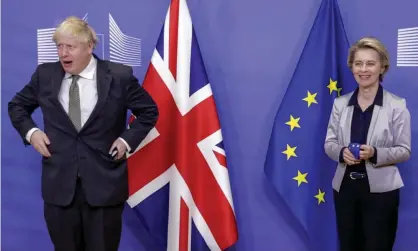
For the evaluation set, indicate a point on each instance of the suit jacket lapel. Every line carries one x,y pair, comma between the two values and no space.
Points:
347,124
56,82
372,126
104,80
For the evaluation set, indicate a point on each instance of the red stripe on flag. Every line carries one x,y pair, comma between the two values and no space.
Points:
184,226
221,158
173,38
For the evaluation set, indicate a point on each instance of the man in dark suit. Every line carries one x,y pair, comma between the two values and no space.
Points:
84,102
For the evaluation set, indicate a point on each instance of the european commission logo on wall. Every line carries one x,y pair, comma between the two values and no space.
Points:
122,48
407,49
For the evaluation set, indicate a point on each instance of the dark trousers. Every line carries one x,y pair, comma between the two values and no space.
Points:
80,227
365,221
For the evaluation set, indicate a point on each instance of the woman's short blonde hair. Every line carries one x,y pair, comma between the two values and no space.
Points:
74,26
374,44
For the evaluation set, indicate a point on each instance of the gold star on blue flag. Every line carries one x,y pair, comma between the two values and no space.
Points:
296,163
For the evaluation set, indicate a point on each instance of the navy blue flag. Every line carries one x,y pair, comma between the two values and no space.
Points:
296,163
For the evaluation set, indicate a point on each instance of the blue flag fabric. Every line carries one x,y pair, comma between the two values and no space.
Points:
296,163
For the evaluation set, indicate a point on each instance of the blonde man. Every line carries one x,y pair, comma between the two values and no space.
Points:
369,133
84,101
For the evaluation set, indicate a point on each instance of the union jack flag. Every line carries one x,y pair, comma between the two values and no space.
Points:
178,177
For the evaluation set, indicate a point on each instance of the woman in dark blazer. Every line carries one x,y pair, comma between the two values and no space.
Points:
369,132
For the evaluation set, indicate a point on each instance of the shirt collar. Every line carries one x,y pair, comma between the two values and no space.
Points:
378,100
88,72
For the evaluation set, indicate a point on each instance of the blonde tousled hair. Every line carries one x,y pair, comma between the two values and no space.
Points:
74,26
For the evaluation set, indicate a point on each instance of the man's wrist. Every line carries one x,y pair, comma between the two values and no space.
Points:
30,133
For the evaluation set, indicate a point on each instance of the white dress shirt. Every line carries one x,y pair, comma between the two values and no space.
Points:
87,84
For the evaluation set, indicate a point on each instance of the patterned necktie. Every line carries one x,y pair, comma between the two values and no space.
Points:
74,110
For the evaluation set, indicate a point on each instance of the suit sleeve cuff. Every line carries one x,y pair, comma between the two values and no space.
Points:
374,158
342,155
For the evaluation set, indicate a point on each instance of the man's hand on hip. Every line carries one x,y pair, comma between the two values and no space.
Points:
120,147
39,141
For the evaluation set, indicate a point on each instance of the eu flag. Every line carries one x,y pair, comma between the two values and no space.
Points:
296,163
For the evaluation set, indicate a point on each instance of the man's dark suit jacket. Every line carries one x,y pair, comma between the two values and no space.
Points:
86,153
